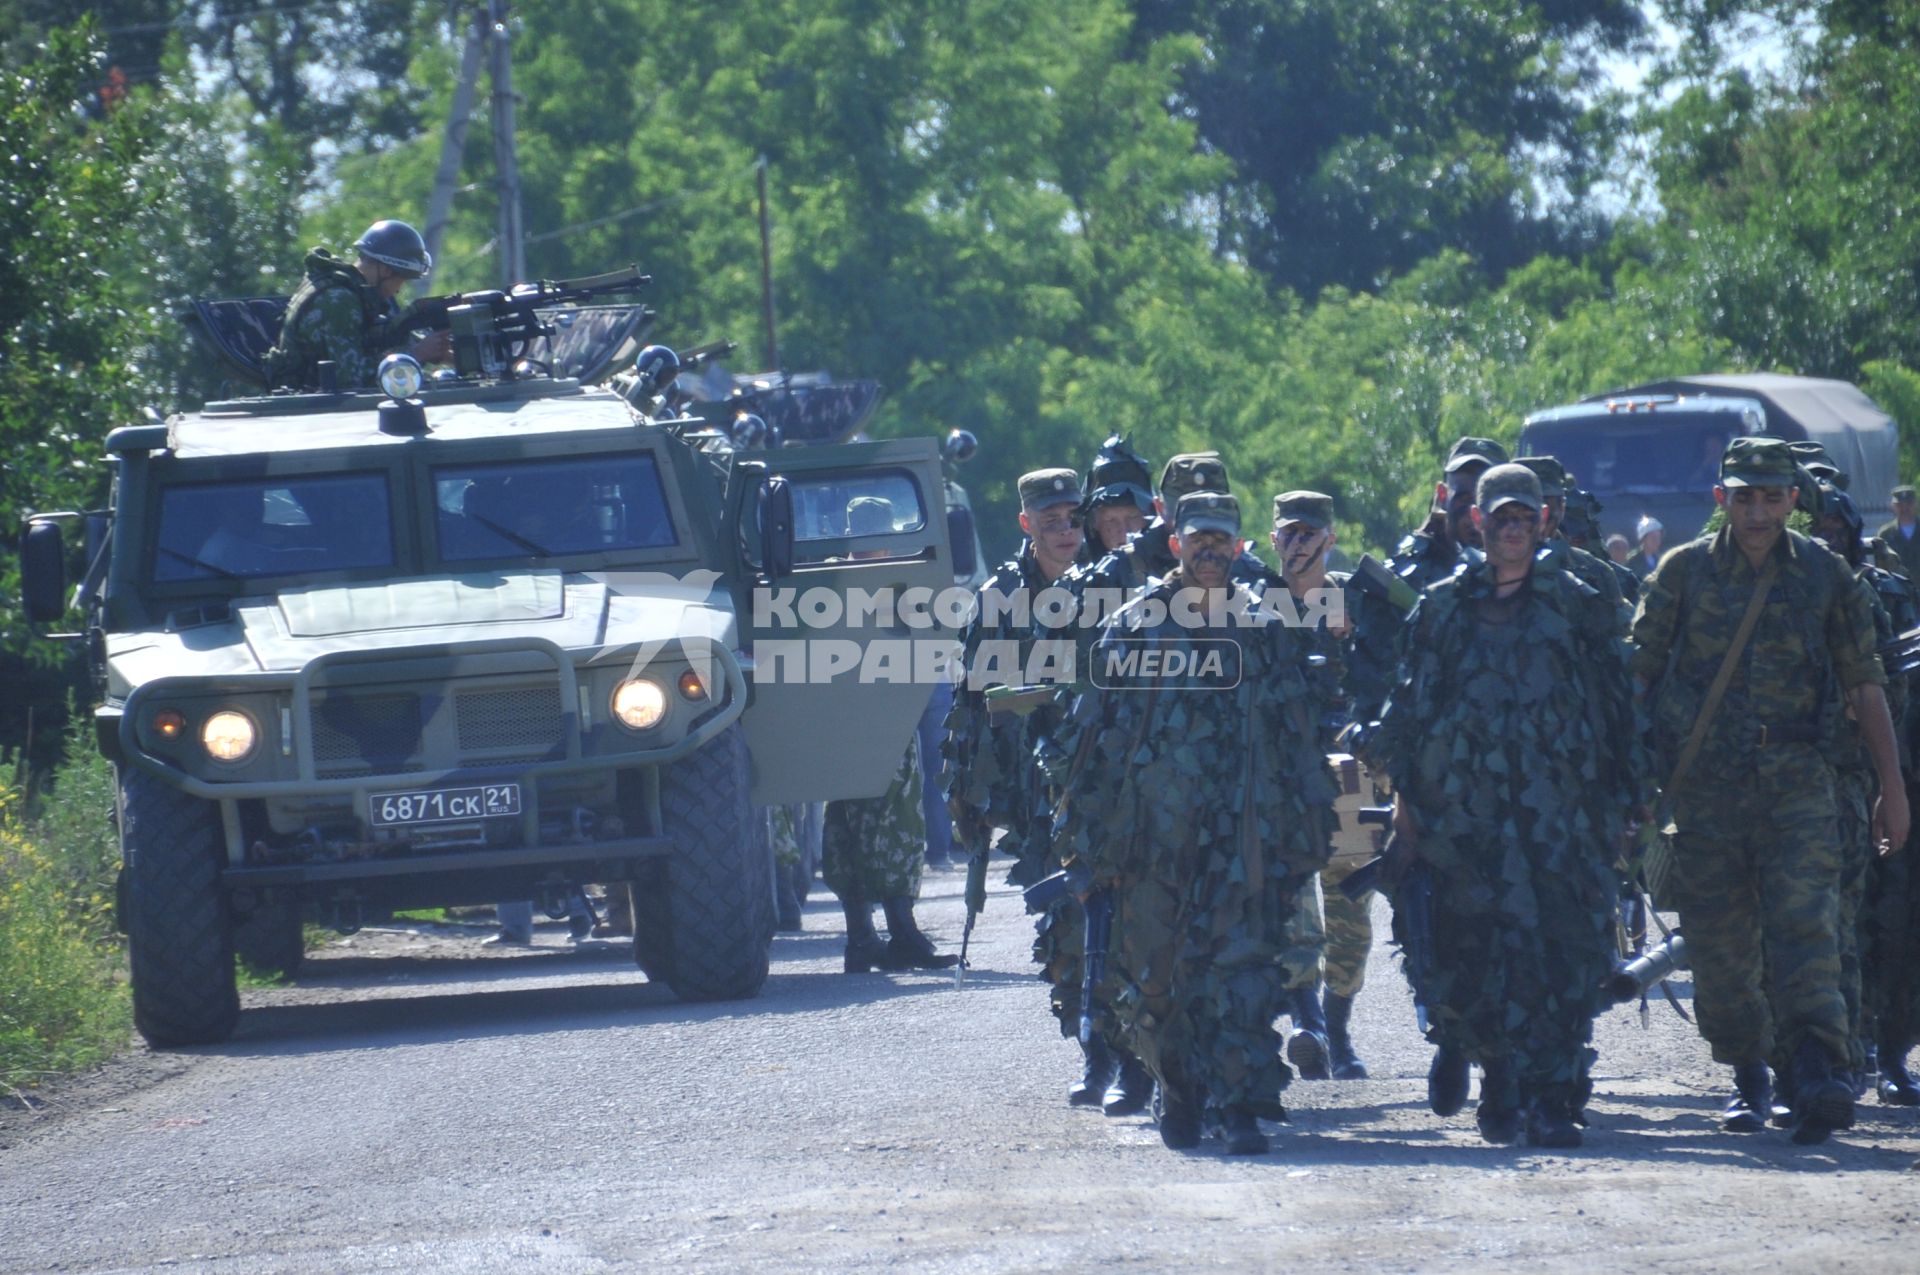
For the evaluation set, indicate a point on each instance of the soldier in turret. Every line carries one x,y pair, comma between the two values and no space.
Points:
346,314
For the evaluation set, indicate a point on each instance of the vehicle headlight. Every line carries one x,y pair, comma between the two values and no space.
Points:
639,704
400,376
229,735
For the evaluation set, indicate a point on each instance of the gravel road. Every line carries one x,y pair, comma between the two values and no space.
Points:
417,1102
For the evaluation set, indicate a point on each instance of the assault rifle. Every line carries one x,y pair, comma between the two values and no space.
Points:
1902,654
491,330
1047,891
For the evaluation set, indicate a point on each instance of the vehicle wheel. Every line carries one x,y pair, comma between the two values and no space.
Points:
179,941
711,928
272,939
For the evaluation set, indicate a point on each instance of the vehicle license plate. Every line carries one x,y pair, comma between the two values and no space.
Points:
444,805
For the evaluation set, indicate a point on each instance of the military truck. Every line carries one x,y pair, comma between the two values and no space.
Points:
482,637
1654,449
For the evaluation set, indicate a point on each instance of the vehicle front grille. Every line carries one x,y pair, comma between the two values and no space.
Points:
365,733
525,718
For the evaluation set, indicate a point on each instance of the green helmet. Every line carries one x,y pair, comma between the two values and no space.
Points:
396,245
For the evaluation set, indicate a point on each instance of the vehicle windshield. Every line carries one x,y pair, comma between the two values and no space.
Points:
550,507
241,528
1656,454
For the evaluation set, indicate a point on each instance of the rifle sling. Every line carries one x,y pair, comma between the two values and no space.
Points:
1715,693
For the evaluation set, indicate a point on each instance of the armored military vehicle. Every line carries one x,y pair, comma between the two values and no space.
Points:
487,636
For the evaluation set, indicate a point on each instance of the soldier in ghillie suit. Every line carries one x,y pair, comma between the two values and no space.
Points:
1838,523
1558,553
992,781
346,313
1580,524
1447,542
874,848
1743,737
1509,739
1201,802
1118,502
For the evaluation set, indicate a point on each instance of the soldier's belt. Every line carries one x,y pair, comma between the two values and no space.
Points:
1789,733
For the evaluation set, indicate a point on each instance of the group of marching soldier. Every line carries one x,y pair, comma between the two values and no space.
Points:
1553,731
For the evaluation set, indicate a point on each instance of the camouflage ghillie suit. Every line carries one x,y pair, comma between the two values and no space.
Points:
1509,736
1855,787
1598,575
334,314
992,781
1373,656
875,847
1757,861
1208,810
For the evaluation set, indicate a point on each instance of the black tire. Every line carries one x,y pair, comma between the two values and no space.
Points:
272,939
712,925
179,938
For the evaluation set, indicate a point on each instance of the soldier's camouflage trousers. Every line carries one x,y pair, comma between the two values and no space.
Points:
1201,1019
1060,947
1756,879
1528,993
1853,801
1893,937
1349,928
1304,945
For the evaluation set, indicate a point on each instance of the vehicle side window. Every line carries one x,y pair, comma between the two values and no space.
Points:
835,511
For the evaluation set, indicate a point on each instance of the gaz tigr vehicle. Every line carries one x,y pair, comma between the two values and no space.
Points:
487,637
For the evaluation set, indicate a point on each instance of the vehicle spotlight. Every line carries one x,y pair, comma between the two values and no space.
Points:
229,735
400,376
639,704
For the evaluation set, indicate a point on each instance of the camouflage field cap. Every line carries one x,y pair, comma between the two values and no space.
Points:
1757,462
1903,492
1045,488
1311,507
870,516
1475,451
1207,511
1505,484
1551,473
1190,472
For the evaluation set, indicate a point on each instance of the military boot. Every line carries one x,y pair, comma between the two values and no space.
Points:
1550,1119
1307,1048
907,947
1240,1130
1094,1075
1346,1063
1447,1081
1132,1086
1897,1087
1179,1120
865,948
1498,1115
1822,1101
1752,1102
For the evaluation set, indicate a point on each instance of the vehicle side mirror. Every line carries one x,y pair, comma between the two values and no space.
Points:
43,572
960,537
776,527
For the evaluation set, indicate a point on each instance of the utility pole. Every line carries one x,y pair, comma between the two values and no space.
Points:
511,234
453,143
766,267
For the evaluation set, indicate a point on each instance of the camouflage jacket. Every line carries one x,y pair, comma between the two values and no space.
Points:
1903,549
334,314
988,771
1813,643
1558,555
1895,610
1374,654
1215,776
1508,733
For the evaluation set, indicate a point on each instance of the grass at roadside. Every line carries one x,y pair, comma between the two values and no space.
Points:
64,1003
